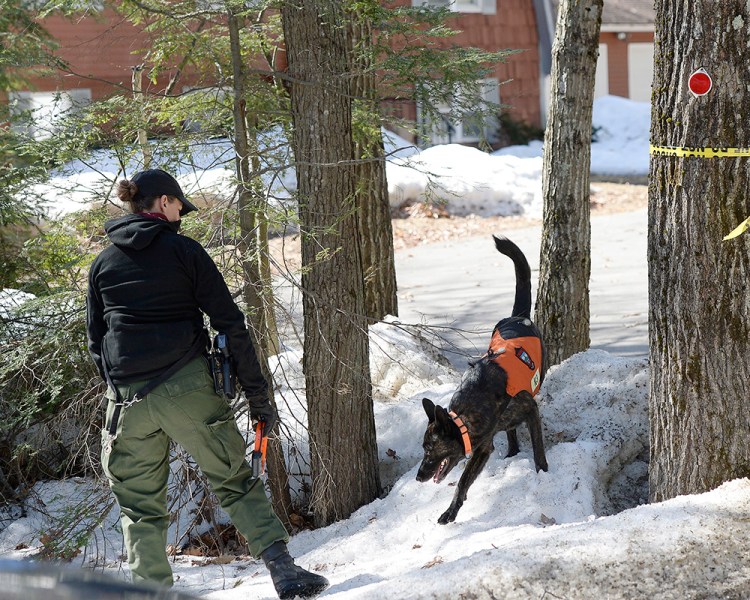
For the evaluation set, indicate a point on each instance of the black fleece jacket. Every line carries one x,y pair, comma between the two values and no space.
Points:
146,297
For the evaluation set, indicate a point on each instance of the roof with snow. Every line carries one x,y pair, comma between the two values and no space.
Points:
628,13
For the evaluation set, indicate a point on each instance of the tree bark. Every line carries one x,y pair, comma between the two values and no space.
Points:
336,355
373,207
256,290
137,80
562,303
699,316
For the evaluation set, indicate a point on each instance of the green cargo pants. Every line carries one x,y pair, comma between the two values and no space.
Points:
186,409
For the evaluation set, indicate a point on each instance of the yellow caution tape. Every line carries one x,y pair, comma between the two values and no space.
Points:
739,230
687,152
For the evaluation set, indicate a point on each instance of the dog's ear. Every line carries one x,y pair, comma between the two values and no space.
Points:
429,408
443,418
446,423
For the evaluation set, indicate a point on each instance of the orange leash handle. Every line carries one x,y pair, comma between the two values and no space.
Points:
258,461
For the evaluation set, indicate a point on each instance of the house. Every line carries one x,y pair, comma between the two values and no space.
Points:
626,49
493,25
624,67
103,48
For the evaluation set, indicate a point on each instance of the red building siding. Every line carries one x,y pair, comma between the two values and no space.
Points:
101,50
512,27
617,55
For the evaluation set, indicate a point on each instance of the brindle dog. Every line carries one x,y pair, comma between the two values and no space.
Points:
482,405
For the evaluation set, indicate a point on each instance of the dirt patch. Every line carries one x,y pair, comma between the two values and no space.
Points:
418,224
426,226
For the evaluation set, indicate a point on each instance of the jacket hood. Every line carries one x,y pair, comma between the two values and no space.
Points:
137,231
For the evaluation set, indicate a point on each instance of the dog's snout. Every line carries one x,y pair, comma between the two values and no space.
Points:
423,474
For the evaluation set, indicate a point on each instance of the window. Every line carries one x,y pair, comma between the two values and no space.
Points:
458,123
37,114
485,7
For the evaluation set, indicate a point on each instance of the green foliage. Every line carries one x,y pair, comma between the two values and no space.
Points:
21,166
513,132
26,49
48,382
417,60
192,37
48,386
55,263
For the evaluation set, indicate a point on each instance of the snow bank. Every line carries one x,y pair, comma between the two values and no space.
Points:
467,181
521,534
464,179
622,137
621,130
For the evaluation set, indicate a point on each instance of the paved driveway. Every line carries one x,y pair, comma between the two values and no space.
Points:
462,288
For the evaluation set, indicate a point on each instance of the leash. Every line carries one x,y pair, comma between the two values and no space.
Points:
464,433
121,404
258,460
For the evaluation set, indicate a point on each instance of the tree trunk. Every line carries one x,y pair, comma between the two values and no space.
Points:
699,316
562,303
373,207
256,290
336,357
137,79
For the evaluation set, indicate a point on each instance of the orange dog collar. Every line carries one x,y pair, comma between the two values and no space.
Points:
464,433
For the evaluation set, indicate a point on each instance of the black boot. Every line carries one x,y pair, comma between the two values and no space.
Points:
290,580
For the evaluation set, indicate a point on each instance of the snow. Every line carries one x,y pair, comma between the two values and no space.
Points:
11,300
468,181
581,530
621,133
464,179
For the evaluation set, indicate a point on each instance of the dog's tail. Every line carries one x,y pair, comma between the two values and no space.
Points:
522,303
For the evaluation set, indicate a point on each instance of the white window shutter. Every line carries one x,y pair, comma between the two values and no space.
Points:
491,93
489,7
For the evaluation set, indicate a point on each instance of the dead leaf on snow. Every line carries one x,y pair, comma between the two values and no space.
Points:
435,561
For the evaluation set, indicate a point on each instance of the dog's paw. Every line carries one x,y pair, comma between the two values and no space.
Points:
447,517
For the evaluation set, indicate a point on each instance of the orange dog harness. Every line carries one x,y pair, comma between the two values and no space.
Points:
521,359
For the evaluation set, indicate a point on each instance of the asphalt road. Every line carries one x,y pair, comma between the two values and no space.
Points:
461,288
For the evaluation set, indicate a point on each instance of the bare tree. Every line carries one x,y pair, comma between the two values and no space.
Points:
336,354
699,319
562,303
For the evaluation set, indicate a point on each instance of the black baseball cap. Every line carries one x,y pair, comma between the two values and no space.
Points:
153,183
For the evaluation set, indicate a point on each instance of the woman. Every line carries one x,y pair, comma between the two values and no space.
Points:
147,295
